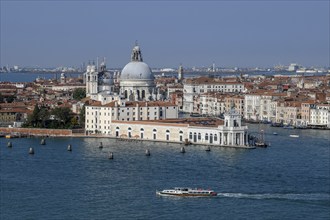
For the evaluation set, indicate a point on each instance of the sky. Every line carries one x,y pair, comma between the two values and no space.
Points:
170,33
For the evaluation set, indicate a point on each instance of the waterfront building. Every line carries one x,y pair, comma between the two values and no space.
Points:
211,104
212,131
252,106
320,115
99,117
216,104
306,107
289,113
13,113
193,87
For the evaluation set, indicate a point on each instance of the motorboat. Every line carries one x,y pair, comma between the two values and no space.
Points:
294,135
187,192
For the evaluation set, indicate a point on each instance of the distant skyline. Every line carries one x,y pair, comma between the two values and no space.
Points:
194,33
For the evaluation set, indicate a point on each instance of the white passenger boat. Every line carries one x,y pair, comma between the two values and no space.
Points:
186,192
294,135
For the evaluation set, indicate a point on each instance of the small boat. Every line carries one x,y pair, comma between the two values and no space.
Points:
187,192
294,135
274,133
261,144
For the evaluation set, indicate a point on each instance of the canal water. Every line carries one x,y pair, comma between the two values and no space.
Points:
288,180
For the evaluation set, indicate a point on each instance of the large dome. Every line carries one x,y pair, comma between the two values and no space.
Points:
136,70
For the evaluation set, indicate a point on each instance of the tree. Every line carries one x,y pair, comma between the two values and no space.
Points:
32,120
82,117
79,94
43,117
63,117
74,122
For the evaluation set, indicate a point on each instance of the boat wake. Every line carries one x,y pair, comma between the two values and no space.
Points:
286,196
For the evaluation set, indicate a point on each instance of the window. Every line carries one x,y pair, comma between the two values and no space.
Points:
206,136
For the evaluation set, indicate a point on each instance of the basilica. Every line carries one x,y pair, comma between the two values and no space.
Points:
136,81
134,110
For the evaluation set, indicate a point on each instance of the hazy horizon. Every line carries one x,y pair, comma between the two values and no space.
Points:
194,33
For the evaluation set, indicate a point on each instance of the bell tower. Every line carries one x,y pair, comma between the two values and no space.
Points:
180,73
91,80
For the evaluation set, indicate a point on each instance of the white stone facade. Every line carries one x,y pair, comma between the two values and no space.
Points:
192,90
231,133
320,115
99,117
252,106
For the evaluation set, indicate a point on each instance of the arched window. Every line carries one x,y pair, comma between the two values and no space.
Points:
154,130
138,94
199,136
215,137
141,133
206,136
181,136
190,135
129,132
167,131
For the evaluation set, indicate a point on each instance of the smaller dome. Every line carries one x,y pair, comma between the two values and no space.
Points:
106,79
136,71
